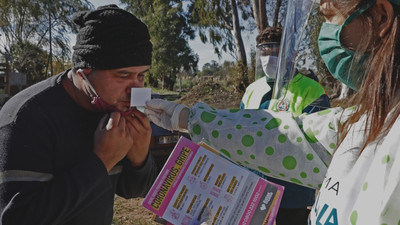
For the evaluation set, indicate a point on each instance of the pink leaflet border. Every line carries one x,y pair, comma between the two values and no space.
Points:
183,142
260,187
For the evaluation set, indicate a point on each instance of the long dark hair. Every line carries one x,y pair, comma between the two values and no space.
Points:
379,94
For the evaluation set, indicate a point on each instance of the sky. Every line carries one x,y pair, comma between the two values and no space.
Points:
204,51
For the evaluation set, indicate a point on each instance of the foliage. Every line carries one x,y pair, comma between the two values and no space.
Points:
170,31
210,69
26,23
217,22
240,77
31,60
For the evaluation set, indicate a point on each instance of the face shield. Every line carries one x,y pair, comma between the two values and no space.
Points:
267,60
292,92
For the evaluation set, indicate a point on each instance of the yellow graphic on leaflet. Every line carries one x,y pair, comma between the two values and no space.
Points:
181,196
220,179
232,185
217,215
200,165
203,209
191,204
208,172
170,179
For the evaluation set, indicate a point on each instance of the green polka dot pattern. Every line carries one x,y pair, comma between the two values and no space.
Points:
269,151
282,138
385,159
365,186
225,152
353,218
265,170
294,180
273,123
261,140
289,162
197,129
247,140
324,112
215,134
207,117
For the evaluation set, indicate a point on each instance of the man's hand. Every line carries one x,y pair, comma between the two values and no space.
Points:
113,139
141,134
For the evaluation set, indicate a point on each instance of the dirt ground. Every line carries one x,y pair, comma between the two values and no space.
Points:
130,212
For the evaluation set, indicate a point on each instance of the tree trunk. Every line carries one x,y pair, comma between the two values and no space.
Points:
256,13
263,14
237,35
276,14
259,14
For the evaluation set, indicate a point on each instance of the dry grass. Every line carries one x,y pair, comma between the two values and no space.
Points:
131,212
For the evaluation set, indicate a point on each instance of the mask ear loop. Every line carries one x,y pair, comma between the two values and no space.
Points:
82,74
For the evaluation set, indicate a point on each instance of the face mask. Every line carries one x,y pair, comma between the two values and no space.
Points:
337,58
269,65
99,103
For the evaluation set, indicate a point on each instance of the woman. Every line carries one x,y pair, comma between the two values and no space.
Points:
350,154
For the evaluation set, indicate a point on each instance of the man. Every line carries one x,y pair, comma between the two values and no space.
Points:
70,143
305,95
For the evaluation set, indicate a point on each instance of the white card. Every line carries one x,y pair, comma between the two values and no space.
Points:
139,96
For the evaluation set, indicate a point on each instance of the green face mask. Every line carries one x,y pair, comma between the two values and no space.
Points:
337,58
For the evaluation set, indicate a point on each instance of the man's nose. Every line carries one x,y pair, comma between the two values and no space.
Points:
133,83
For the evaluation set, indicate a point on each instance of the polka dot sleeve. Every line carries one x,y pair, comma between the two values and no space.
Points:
273,143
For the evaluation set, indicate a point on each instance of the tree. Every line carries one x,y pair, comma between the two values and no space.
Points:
211,69
41,24
170,32
30,59
262,9
218,22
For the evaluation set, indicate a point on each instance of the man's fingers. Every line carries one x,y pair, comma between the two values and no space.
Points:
102,123
113,121
142,119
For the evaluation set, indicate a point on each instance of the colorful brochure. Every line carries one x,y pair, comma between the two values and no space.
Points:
197,185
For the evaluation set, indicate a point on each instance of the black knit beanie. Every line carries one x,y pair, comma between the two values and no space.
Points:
110,38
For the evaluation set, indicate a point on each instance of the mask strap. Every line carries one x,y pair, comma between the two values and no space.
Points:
358,12
82,74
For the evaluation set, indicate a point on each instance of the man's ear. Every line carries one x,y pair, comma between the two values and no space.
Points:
384,16
85,71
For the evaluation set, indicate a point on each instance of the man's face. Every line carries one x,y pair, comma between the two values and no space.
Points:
268,49
114,86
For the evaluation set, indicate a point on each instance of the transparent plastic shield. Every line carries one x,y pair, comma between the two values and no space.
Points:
296,55
267,66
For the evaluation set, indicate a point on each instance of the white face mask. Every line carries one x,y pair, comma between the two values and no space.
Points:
269,65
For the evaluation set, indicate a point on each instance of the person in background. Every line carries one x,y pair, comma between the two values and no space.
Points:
350,154
70,143
297,200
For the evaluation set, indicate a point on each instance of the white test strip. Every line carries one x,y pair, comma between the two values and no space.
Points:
139,96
